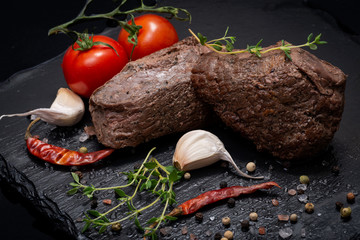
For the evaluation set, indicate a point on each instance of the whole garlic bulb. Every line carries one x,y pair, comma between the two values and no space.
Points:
200,148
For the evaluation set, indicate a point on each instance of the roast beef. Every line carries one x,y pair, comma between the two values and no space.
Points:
290,109
149,98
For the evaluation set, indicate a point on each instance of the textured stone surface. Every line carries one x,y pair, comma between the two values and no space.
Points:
46,185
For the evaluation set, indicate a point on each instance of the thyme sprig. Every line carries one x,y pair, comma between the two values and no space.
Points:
225,44
115,17
151,176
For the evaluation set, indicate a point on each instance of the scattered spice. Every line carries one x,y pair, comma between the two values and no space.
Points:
217,236
304,179
345,212
231,202
199,217
107,201
223,184
80,174
275,202
250,167
262,230
193,237
226,221
283,218
116,227
184,230
94,203
245,224
187,176
335,170
224,164
292,192
350,197
253,216
293,218
229,235
339,205
309,207
83,150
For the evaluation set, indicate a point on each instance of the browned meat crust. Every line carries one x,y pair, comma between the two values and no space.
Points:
289,108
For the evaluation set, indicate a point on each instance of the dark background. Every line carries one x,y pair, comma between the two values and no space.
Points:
25,44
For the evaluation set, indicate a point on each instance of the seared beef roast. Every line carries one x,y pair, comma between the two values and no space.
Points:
289,108
149,98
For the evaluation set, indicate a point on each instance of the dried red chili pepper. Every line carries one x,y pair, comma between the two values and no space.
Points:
209,197
59,155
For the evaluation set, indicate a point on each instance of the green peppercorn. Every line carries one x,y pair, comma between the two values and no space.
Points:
116,227
304,179
83,150
345,212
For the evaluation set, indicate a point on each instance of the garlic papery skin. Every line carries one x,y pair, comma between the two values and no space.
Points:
66,110
200,148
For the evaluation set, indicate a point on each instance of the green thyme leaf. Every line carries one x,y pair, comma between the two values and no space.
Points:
150,165
75,177
72,191
120,193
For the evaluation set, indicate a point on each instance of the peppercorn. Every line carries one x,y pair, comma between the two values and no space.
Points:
83,150
292,192
116,227
229,235
250,167
224,238
309,208
231,202
262,230
94,203
187,176
217,236
199,217
304,179
245,224
350,197
223,184
226,221
335,170
275,202
345,212
293,218
253,216
339,205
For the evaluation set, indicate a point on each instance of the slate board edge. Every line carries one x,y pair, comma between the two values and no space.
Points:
42,204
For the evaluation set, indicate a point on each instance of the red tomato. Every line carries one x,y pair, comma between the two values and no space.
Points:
156,33
87,70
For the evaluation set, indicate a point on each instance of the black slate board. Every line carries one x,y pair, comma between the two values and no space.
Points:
45,185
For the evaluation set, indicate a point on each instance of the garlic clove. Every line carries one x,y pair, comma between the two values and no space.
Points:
199,148
66,110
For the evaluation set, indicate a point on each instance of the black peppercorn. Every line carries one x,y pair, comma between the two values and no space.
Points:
223,184
339,205
217,236
335,170
231,202
245,224
199,217
94,203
